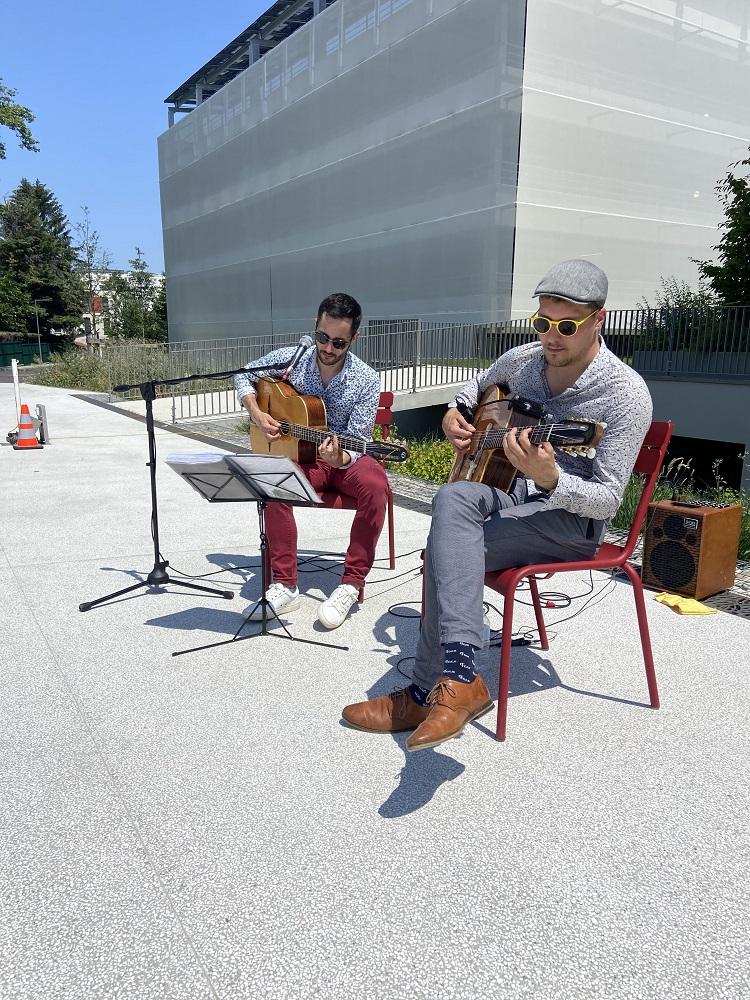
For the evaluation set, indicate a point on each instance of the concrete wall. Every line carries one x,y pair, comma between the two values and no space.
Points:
710,411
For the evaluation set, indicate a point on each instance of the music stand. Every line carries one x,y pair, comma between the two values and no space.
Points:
158,577
264,479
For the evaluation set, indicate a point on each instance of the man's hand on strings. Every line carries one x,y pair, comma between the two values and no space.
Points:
458,430
536,462
331,452
264,422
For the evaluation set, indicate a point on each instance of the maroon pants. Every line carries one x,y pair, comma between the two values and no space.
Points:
366,482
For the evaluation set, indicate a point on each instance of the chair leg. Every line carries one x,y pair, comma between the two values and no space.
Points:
391,543
538,612
505,647
648,659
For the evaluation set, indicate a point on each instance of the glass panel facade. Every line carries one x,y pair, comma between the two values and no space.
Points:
435,157
374,151
631,114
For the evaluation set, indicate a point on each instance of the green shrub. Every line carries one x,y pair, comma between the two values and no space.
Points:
73,370
430,458
678,480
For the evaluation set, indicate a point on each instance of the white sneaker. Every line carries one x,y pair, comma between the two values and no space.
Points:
333,612
281,599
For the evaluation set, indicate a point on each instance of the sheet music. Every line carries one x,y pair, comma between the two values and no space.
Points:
209,475
276,477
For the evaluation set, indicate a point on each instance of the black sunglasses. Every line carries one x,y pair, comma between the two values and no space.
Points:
338,342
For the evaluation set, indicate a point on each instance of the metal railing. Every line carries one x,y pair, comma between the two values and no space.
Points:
411,354
702,342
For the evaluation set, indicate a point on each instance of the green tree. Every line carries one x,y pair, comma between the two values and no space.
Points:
729,276
17,118
37,253
15,306
675,293
158,327
91,260
137,302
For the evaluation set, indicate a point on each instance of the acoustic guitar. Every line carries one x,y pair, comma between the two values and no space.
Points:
497,414
303,426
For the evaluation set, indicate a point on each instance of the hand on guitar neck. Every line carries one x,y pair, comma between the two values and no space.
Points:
535,461
331,452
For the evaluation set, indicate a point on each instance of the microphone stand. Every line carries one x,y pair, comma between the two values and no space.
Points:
158,577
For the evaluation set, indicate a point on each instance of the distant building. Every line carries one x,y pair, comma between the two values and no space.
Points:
434,157
95,321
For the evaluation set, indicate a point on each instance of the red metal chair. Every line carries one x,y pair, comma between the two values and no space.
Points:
336,501
609,556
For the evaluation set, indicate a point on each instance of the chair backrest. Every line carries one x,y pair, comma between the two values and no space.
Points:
384,415
648,464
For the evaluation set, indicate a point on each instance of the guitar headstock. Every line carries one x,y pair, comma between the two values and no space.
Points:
387,452
577,437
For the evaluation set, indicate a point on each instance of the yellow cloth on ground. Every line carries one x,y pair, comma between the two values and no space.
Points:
684,605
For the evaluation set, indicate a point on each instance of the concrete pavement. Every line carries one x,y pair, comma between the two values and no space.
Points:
203,826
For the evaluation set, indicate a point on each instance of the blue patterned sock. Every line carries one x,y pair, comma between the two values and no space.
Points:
418,694
459,661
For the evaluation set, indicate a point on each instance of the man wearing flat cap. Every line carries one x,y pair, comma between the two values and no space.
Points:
556,511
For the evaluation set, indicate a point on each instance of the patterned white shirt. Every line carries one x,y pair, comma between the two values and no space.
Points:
351,397
608,392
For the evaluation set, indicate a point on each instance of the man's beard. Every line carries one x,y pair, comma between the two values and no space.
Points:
335,360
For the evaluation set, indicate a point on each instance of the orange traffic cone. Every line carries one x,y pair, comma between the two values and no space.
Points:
26,434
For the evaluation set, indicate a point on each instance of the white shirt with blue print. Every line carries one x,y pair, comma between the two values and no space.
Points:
351,397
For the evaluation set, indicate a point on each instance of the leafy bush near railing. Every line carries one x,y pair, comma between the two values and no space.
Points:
678,480
73,370
430,458
130,364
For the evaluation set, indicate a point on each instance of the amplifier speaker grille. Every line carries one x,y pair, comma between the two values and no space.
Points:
691,551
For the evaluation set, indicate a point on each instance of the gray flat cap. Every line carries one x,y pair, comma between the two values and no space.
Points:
576,281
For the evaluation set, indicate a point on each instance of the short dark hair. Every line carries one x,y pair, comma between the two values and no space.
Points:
341,306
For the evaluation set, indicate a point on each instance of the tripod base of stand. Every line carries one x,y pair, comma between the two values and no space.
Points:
157,578
268,613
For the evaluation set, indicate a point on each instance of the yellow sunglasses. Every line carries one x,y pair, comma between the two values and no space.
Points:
565,327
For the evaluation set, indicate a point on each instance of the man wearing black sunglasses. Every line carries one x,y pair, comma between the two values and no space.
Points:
557,509
350,390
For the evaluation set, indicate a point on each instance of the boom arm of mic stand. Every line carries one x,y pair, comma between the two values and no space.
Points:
197,378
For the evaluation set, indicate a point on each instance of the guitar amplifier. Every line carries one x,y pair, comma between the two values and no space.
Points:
690,548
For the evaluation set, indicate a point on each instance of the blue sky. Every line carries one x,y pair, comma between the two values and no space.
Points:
95,76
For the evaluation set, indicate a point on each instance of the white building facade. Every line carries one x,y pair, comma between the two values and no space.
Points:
435,157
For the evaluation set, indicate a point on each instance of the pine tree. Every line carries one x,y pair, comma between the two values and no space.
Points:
729,277
37,255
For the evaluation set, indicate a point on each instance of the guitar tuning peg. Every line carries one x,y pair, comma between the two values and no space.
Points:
590,452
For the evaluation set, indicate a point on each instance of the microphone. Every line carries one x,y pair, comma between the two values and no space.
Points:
304,343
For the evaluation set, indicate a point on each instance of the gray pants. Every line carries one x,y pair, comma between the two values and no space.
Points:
477,529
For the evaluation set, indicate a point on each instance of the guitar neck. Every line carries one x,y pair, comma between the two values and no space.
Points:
493,438
317,437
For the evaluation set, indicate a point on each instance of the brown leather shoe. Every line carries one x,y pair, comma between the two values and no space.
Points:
453,704
391,713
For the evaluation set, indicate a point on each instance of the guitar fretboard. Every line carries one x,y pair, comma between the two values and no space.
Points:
493,437
315,436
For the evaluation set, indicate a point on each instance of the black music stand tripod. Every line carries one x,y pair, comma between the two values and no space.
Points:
266,479
158,577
